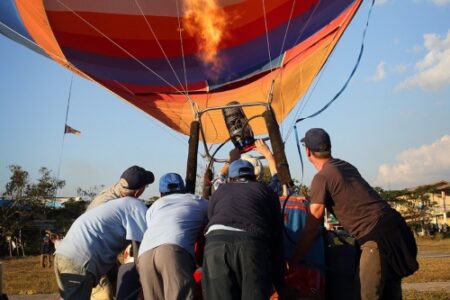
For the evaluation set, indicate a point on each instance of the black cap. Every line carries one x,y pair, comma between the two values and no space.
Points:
317,140
137,177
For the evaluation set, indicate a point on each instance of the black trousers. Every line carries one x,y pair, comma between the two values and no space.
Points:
236,265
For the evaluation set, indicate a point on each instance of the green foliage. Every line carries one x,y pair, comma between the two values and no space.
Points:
28,199
89,194
20,212
66,215
415,204
300,189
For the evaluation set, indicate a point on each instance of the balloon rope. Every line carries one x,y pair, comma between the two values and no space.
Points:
182,46
267,34
121,48
296,41
159,45
64,133
361,51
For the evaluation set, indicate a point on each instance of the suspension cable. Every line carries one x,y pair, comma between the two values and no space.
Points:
267,34
120,47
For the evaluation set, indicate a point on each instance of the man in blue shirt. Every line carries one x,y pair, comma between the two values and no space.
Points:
166,255
93,242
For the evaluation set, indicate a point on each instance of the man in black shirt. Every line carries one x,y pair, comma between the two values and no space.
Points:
388,248
243,253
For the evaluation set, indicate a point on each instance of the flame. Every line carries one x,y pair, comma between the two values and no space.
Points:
206,21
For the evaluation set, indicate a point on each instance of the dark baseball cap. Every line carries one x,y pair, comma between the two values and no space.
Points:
317,140
171,183
137,177
241,168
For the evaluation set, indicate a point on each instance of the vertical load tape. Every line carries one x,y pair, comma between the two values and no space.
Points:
191,168
278,148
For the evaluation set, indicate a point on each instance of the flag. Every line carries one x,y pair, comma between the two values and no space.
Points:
68,129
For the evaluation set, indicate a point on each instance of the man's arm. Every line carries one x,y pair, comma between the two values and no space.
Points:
309,233
264,150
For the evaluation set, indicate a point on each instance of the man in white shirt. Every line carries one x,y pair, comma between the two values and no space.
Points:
166,255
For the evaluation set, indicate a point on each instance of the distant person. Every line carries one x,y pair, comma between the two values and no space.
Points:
47,249
387,244
261,148
166,256
90,248
133,183
243,255
56,240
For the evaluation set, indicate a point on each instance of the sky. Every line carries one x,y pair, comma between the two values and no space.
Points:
392,122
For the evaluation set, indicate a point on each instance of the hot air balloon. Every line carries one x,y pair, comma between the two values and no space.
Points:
184,61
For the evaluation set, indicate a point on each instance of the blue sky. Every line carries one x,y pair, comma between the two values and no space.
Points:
392,122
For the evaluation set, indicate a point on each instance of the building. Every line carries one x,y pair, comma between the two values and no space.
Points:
441,197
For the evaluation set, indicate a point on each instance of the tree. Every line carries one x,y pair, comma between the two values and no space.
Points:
66,215
90,193
45,190
395,198
415,205
28,201
17,213
420,206
15,188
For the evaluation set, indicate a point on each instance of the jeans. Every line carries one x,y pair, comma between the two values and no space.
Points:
236,265
74,281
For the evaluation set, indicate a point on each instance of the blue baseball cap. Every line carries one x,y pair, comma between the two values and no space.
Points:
171,183
241,168
317,140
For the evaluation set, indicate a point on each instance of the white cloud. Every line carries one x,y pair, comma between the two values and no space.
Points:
441,2
423,165
380,72
383,70
433,70
400,68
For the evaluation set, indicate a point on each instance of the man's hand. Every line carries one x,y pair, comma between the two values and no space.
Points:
262,148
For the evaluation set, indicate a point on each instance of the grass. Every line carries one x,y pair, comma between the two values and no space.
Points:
26,276
428,245
432,295
431,269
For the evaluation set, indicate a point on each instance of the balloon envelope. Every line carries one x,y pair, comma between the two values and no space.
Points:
174,58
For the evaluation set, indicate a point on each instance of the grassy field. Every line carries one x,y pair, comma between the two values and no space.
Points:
427,245
26,276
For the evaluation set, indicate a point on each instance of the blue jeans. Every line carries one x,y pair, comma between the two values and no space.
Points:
236,265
